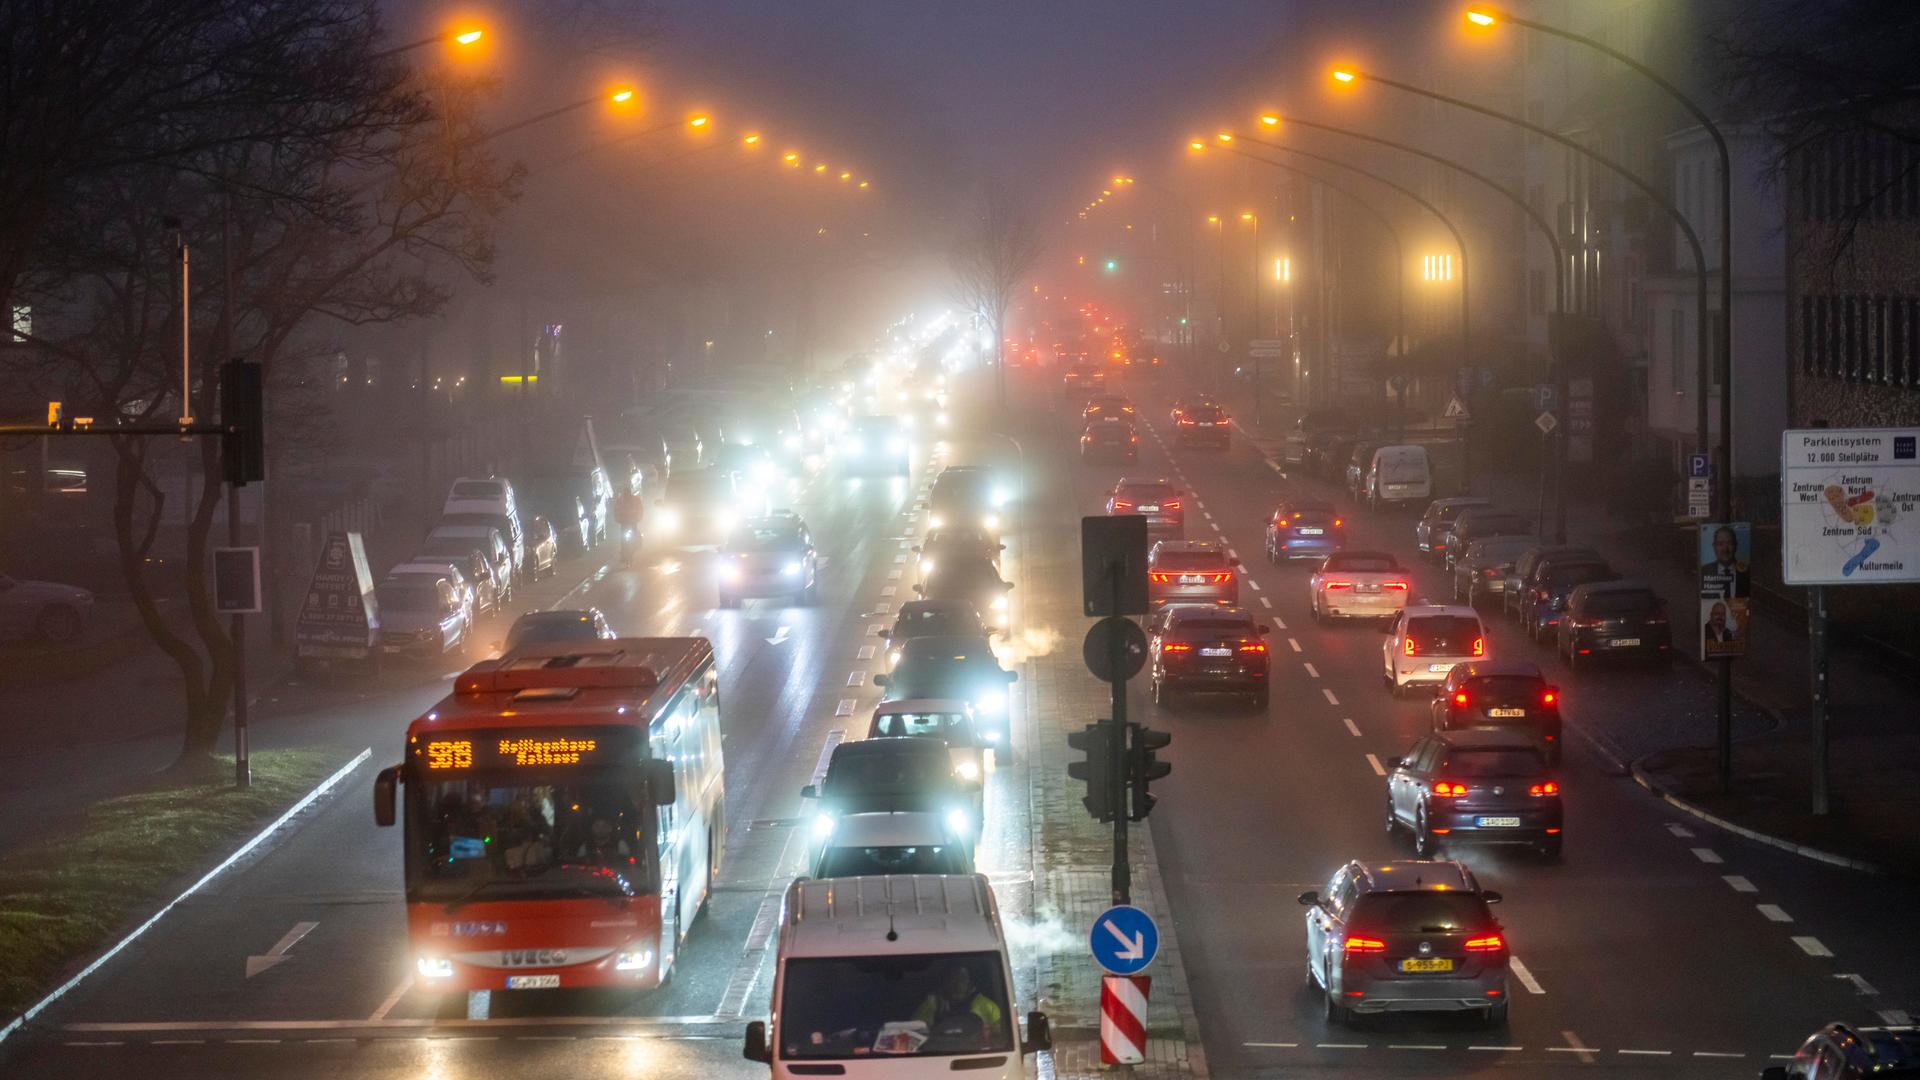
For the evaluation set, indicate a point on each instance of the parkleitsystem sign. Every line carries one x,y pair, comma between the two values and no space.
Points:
1850,506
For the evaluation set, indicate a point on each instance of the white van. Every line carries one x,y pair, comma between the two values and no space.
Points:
493,496
1399,474
896,976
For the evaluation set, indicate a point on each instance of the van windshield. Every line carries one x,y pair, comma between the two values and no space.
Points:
835,1008
477,490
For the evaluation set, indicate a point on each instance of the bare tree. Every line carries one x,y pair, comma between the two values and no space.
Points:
994,252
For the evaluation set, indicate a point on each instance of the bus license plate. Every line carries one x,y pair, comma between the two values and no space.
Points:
1506,712
1497,822
1430,963
533,982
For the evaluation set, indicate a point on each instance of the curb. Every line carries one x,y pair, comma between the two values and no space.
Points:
1640,777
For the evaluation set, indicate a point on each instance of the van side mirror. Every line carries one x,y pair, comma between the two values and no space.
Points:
1039,1033
1491,897
810,792
384,786
881,679
659,779
1310,898
756,1048
919,589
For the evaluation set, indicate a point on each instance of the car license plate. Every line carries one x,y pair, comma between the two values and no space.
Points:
1311,532
1625,642
1150,509
1429,963
1497,822
1439,667
1506,712
1366,588
1216,652
1191,579
533,982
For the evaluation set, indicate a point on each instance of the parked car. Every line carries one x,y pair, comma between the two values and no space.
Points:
1398,475
507,527
493,544
43,611
1480,572
1509,694
1543,605
422,619
474,561
1527,567
490,495
587,483
1354,474
1304,530
573,525
543,547
449,569
1473,525
1309,425
1429,533
1614,618
1425,641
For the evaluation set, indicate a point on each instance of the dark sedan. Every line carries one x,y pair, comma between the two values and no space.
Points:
1109,439
1199,647
1475,786
1508,694
1614,618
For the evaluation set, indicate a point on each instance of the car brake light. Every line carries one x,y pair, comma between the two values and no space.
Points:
1220,579
1253,646
1221,423
1161,578
1365,944
1547,788
1479,646
1337,522
1451,789
1339,584
1489,943
1460,698
1122,504
1406,647
1176,646
1170,504
1399,586
1184,422
1549,698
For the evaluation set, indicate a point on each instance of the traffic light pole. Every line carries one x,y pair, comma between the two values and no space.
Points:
1117,758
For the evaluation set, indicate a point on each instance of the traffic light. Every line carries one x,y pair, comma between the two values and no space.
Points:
1143,767
1097,770
1112,265
243,409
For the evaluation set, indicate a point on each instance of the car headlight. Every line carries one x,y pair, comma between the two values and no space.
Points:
941,419
667,520
935,521
991,701
1000,602
434,967
723,521
822,826
958,822
968,770
792,569
992,736
896,446
855,447
635,960
893,657
926,566
1001,496
991,521
730,572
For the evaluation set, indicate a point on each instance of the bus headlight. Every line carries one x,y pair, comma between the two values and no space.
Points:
635,960
435,967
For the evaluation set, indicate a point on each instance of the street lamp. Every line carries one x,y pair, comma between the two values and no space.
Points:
619,96
463,38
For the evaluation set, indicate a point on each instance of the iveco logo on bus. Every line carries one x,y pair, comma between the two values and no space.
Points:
532,957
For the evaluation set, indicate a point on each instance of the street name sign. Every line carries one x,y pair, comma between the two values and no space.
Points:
1124,939
1850,506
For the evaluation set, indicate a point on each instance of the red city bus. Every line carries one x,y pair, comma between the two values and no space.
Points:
564,815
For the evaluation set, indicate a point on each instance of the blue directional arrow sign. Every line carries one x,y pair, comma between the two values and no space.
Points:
1124,939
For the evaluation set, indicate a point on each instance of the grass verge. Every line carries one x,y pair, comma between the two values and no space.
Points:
68,895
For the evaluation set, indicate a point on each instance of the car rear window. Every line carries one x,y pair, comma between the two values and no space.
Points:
1363,564
1309,517
408,596
1622,602
1230,626
1578,573
1443,633
1204,412
1499,525
1447,511
1496,689
1191,560
1420,912
1144,492
477,489
1493,761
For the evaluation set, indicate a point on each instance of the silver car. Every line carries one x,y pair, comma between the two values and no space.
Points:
43,610
770,556
1406,936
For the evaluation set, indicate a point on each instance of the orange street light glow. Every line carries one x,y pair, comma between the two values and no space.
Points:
820,168
1480,17
1196,145
1224,137
1246,215
863,185
1213,219
697,121
751,140
1342,76
846,176
621,97
790,158
1270,119
468,37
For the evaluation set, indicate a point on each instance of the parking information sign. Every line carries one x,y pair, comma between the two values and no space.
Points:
1850,506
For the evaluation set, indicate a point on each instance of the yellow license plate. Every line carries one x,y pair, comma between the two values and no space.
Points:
1437,963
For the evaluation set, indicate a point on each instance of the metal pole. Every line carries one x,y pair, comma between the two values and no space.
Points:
1817,643
1117,759
186,331
242,767
1258,421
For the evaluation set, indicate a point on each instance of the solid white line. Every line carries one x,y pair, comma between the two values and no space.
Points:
1331,700
1773,913
1311,673
1647,1053
1812,947
1707,855
1526,977
1294,644
1348,720
392,999
1716,1054
305,801
1739,884
1375,762
1268,604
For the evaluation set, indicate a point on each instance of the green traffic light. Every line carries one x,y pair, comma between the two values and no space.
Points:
1112,265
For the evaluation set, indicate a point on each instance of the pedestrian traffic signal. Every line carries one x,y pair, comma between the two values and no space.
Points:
1097,770
1143,768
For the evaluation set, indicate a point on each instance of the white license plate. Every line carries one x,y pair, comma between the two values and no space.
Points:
1624,642
533,982
1192,579
1216,652
1150,509
1497,822
1303,531
1506,712
1365,588
1439,667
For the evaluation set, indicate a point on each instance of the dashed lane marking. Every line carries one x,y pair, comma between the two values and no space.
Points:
1895,1017
1679,830
1294,643
1415,1046
1575,1046
1268,604
1254,585
1311,673
1501,1049
1331,700
1526,977
1738,883
1860,985
1272,1045
1352,729
1716,1054
893,574
856,678
887,590
392,999
1707,855
1341,1046
1378,770
1773,913
845,708
865,652
1811,946
1278,623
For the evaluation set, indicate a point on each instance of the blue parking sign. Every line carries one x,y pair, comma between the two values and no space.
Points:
1699,466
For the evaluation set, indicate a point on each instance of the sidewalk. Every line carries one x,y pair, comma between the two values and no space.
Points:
1875,748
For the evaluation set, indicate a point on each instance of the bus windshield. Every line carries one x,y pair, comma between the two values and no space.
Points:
521,837
911,1005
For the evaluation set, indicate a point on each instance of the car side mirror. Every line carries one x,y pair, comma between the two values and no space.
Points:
1233,562
1265,629
919,588
1039,1033
756,1048
384,786
658,775
1310,898
880,633
1491,897
1000,547
1398,763
881,679
811,791
1006,586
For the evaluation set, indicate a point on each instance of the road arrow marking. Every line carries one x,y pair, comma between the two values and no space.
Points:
1132,948
779,636
258,964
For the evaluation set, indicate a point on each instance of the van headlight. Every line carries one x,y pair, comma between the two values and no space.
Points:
634,960
822,826
1001,496
792,569
926,566
667,520
730,572
991,701
958,822
968,770
1000,602
434,967
991,521
936,521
